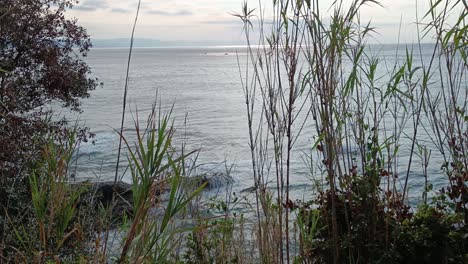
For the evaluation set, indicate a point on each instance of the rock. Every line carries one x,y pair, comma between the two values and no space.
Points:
106,190
212,181
101,194
248,190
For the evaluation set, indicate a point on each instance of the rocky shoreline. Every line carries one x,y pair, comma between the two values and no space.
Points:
119,194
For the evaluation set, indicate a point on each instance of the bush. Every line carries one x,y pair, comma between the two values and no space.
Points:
41,61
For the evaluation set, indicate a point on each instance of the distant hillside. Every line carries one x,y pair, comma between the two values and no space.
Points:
144,43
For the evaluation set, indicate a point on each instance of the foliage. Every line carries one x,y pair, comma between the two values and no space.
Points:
40,52
155,167
41,57
306,65
216,239
52,227
432,236
318,74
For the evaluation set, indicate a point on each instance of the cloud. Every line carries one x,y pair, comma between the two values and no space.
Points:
165,13
91,5
120,10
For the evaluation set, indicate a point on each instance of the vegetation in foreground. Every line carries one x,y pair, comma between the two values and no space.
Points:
306,65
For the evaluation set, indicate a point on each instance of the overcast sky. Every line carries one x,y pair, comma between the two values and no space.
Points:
210,20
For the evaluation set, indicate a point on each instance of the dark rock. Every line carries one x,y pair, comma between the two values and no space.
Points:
248,190
119,195
213,181
107,190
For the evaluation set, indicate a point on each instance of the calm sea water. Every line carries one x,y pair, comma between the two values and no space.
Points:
203,85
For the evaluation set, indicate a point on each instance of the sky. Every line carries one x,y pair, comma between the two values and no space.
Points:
211,20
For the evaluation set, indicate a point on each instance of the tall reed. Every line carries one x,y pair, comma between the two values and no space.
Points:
317,74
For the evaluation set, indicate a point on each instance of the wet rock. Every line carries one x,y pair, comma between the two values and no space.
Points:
248,190
119,196
212,181
98,195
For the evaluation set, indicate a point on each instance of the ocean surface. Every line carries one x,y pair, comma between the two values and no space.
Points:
203,86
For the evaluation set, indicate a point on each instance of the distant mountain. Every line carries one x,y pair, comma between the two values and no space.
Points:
147,43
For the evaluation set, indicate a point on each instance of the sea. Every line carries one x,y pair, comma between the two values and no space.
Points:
202,88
